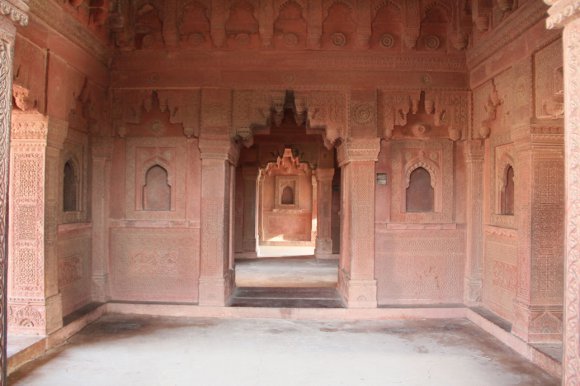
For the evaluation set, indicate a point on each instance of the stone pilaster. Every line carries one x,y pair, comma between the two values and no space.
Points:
357,284
11,11
102,152
539,212
566,13
324,199
216,279
250,176
474,152
34,303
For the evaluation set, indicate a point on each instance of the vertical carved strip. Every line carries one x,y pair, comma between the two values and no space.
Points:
571,363
5,109
473,266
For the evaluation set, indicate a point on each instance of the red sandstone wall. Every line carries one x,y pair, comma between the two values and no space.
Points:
419,259
57,77
154,253
517,108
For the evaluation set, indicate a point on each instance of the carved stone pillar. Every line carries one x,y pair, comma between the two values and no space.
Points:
216,279
250,176
566,13
473,266
539,212
34,302
356,278
10,11
102,151
323,233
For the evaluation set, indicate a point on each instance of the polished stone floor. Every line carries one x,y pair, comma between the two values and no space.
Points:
138,350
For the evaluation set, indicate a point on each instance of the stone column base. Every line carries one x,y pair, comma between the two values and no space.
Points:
357,293
323,247
100,288
538,324
34,317
216,291
473,288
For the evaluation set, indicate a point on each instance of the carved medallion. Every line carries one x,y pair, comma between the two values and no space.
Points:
363,113
387,40
432,42
338,39
290,39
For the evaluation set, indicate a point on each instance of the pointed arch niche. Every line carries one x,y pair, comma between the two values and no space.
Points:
423,177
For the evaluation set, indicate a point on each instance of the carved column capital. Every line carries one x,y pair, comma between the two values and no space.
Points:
359,149
474,150
562,12
324,174
219,149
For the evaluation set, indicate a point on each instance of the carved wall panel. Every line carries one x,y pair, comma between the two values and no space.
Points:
74,267
549,82
436,157
547,228
500,272
142,155
154,264
420,266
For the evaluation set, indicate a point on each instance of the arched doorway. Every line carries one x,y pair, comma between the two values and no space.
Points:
285,212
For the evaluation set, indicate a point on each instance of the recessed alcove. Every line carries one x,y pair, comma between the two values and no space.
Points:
70,188
507,194
157,191
420,193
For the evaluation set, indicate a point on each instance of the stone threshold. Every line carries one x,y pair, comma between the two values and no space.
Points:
546,362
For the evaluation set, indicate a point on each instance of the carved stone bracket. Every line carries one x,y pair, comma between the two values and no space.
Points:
562,12
16,10
183,107
445,108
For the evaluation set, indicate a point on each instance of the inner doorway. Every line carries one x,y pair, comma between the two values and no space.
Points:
286,211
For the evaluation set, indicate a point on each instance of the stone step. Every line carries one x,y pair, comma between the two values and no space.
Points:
321,297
